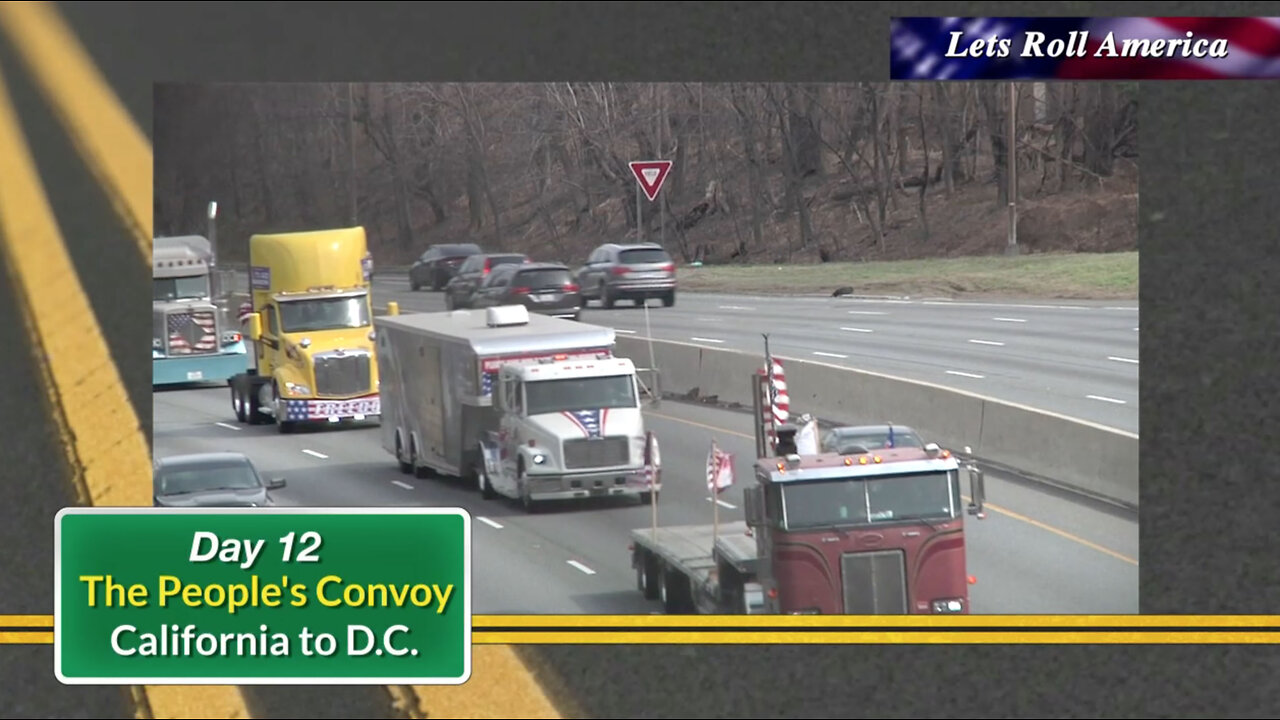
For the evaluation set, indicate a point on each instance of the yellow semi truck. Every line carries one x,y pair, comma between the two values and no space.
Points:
310,319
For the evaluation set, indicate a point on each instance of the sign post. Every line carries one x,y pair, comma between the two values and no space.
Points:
650,174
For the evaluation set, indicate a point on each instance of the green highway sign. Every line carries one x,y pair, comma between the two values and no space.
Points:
253,596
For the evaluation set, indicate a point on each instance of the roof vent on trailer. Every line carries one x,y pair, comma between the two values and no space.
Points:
507,315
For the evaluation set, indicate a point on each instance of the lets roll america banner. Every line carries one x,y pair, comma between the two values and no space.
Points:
1097,48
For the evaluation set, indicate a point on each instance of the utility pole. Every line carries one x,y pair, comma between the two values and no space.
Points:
1011,163
351,155
662,200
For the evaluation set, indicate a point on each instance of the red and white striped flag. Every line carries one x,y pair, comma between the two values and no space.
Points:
1254,49
719,469
652,459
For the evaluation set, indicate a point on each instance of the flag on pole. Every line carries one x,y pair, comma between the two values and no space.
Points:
719,469
652,459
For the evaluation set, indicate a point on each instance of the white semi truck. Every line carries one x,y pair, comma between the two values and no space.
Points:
522,405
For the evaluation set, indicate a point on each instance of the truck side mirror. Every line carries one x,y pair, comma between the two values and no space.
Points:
753,506
254,331
393,308
977,492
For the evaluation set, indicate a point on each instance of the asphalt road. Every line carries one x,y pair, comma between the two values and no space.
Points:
1073,358
1036,552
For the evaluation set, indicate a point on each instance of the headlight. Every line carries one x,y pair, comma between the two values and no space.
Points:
948,606
539,458
297,389
807,611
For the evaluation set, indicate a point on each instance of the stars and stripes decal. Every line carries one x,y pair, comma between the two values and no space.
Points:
192,333
591,422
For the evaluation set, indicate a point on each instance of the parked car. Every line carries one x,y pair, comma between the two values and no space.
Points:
225,479
628,272
545,288
867,438
437,266
472,272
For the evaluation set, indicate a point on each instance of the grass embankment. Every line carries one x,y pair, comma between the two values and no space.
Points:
1084,276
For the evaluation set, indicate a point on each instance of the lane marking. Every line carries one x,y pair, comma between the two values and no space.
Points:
723,504
965,374
867,312
581,567
102,130
625,332
102,438
735,307
501,686
402,484
1106,399
830,355
987,342
1026,306
490,523
228,426
853,329
1003,319
1123,360
993,508
313,453
702,339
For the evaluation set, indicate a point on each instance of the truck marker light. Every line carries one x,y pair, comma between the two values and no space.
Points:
973,580
946,453
862,460
848,461
878,458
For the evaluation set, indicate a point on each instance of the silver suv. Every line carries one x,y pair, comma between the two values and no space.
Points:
638,272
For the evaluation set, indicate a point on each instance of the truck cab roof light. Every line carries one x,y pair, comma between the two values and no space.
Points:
862,460
878,459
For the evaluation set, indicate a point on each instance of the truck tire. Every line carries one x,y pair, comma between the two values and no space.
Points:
238,402
482,480
252,405
647,575
405,467
672,589
422,472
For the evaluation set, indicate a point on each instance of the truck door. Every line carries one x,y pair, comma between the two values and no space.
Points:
270,338
508,425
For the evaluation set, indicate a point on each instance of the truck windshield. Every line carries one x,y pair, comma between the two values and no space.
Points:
569,394
194,287
899,498
324,314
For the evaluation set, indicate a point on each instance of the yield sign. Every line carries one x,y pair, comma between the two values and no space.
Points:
650,174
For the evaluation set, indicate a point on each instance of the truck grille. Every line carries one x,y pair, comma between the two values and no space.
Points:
342,375
875,583
605,452
192,333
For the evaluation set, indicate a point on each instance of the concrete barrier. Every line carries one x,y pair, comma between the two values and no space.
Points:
1090,459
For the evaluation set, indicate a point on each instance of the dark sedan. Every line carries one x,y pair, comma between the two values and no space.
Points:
226,479
439,264
867,438
472,273
544,288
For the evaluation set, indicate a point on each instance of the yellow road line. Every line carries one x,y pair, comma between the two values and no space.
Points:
990,506
108,139
121,158
35,621
26,638
102,438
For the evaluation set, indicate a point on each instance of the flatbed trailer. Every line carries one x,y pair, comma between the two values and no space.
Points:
677,570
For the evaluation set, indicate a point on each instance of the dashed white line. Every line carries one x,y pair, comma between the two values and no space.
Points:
1008,319
625,332
1106,399
490,523
867,312
313,453
965,374
830,355
702,339
581,567
987,342
734,307
861,330
1123,360
724,504
227,426
402,484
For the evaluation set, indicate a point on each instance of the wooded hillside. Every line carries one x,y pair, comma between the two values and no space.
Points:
762,172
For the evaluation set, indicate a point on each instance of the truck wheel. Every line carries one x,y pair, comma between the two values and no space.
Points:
672,589
237,403
421,472
405,467
284,426
252,404
486,487
647,576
